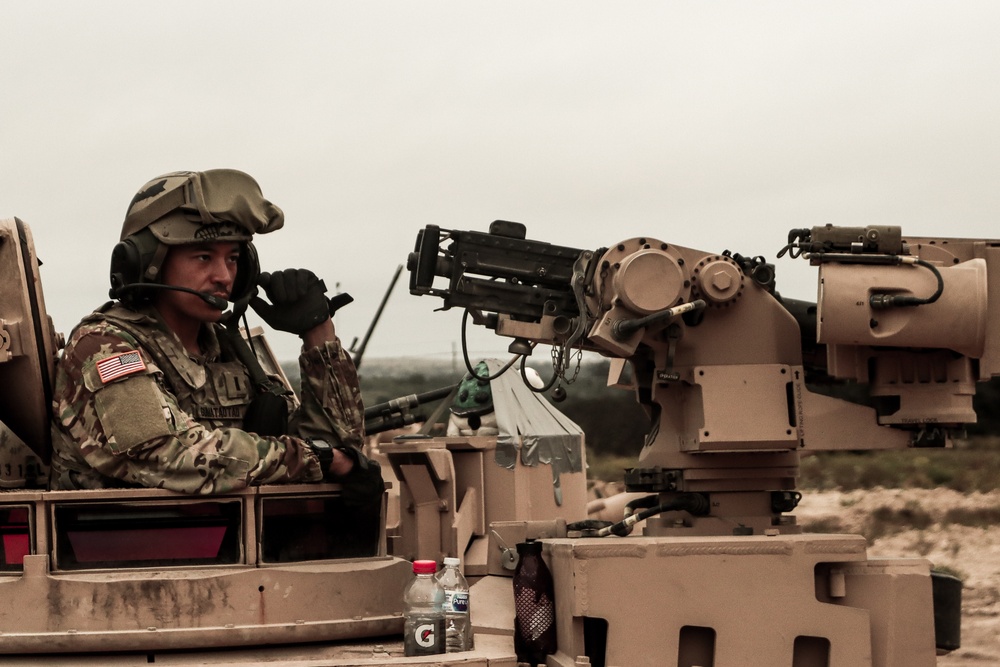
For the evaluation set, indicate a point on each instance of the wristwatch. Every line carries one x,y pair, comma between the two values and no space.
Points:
324,452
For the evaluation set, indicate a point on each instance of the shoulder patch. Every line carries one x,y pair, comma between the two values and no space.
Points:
119,365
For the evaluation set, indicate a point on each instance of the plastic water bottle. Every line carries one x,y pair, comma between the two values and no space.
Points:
457,626
423,602
534,606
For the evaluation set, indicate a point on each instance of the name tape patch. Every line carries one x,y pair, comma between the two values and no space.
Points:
120,365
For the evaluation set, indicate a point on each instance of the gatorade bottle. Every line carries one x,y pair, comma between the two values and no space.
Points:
534,606
423,613
457,626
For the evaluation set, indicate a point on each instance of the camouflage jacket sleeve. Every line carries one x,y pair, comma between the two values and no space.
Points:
331,408
131,429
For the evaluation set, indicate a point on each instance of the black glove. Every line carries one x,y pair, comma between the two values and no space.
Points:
362,488
298,300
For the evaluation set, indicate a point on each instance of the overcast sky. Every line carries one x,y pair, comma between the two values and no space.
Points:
712,125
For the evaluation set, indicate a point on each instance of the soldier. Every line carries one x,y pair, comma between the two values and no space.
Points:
153,390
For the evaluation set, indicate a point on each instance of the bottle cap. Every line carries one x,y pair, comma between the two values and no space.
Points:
531,546
424,567
452,561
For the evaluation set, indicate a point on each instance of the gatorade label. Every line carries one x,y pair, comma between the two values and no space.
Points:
424,635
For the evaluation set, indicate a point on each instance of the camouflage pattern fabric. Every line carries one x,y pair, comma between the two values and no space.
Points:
174,422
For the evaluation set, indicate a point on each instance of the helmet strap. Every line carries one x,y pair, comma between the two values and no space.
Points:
152,272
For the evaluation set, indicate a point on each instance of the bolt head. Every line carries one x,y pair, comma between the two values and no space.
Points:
722,280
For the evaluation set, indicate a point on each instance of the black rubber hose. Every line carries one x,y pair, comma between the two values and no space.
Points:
693,503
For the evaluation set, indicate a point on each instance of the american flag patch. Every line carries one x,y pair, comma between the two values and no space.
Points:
119,365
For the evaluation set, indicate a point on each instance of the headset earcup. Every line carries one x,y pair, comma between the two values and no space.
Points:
136,259
247,272
126,267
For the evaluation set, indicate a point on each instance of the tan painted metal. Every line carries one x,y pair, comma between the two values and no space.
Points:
27,345
761,600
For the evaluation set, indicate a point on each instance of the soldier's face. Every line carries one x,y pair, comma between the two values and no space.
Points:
203,267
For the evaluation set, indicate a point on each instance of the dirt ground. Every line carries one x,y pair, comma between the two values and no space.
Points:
970,552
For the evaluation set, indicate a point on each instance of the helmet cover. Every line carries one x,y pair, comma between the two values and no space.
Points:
201,206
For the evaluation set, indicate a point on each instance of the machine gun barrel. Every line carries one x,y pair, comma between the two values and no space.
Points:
406,402
395,413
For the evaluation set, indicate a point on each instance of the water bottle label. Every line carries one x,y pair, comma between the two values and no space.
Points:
456,601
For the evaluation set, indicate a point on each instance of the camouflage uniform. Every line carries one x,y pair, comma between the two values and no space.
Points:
174,422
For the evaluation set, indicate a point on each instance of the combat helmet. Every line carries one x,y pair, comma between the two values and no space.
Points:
190,207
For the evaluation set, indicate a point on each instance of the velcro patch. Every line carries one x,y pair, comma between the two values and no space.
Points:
120,365
131,413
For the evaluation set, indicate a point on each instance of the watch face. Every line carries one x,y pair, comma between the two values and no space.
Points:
323,451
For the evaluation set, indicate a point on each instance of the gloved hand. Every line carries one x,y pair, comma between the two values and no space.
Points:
362,488
298,300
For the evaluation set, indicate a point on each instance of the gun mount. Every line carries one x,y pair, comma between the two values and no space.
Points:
716,356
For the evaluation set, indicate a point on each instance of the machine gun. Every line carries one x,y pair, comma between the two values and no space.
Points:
716,356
